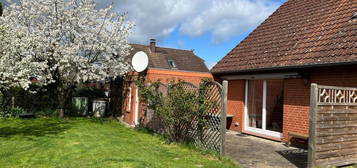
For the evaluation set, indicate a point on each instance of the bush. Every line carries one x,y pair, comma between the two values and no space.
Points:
11,112
46,113
182,111
33,100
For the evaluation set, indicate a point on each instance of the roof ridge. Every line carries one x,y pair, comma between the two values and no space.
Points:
185,59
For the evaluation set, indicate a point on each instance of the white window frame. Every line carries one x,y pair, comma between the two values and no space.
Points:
262,130
129,101
136,117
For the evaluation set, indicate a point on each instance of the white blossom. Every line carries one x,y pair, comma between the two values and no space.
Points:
67,41
17,64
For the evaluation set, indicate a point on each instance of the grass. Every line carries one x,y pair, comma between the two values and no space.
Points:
91,143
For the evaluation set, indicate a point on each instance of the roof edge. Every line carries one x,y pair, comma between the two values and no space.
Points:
285,68
177,70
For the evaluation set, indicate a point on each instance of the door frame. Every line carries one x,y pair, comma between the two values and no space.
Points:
136,110
263,130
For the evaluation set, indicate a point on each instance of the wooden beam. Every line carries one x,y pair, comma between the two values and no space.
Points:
224,116
262,76
312,129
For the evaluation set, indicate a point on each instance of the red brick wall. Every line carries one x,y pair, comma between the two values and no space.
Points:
128,110
296,107
165,76
297,95
236,104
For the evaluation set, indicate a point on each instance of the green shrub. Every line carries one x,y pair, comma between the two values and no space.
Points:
182,111
46,113
1,101
11,112
35,99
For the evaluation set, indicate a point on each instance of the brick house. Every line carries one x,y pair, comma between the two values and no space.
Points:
270,72
165,65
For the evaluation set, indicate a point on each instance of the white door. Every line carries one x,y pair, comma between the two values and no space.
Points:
260,118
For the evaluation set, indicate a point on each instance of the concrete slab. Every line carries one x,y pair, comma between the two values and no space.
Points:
250,151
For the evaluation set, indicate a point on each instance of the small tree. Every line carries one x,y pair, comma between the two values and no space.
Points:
78,42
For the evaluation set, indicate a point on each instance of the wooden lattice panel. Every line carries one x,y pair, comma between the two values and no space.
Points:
153,121
336,96
212,136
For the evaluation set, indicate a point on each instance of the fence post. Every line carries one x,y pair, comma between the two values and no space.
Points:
224,116
312,129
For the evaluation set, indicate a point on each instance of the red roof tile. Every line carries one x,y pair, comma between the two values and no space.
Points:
185,60
300,33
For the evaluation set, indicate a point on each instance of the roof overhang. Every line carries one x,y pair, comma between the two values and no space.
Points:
263,76
285,68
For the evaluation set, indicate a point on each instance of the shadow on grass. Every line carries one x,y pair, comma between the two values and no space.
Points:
34,127
99,120
137,162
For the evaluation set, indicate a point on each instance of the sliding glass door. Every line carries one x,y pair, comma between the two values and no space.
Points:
264,107
255,103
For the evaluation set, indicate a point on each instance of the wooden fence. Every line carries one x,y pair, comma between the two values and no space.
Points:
333,126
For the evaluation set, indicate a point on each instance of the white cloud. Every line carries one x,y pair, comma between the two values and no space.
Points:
221,18
228,18
155,19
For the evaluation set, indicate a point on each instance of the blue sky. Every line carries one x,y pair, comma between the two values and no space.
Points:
210,27
203,45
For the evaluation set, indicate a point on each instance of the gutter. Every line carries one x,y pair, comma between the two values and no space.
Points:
177,70
285,68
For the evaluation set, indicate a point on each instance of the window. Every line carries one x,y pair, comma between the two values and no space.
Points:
172,63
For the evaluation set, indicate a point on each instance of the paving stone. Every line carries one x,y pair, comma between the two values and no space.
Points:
250,151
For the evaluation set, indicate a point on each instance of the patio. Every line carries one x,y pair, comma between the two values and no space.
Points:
250,151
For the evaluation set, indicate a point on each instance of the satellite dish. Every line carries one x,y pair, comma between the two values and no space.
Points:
140,61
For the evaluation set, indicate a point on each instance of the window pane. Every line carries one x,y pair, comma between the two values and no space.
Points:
274,106
255,102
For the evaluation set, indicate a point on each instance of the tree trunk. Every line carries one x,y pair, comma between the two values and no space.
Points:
6,99
60,113
61,101
64,93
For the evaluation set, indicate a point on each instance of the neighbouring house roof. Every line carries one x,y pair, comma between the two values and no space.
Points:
174,59
300,33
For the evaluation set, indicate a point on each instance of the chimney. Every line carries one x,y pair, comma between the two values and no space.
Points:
153,45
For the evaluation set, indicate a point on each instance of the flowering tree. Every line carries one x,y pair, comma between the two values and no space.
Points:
78,42
17,64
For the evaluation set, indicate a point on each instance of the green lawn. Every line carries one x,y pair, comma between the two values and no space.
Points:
90,143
